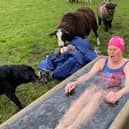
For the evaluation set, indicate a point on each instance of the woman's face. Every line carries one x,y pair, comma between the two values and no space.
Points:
114,53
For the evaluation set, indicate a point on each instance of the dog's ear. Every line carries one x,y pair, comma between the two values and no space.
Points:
53,33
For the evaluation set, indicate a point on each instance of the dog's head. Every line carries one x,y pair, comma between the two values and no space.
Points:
63,36
26,73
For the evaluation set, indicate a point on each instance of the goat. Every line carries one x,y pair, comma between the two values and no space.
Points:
105,13
77,23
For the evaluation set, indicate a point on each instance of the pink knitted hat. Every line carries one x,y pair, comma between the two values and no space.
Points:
118,42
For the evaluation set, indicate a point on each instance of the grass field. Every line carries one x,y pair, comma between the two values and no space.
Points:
24,29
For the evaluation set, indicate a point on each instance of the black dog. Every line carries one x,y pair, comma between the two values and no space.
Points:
13,75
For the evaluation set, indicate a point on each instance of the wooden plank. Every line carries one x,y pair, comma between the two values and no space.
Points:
122,118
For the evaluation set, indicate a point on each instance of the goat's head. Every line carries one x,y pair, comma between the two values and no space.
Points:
110,8
63,36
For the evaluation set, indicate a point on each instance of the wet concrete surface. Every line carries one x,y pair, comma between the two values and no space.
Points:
46,114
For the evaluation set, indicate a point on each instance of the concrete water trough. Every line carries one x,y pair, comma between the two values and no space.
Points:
46,111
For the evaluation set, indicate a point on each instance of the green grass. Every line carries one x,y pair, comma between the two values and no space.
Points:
24,29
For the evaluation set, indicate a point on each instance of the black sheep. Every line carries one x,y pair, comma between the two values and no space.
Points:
77,23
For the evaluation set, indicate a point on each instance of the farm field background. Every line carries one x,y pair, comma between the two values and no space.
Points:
25,26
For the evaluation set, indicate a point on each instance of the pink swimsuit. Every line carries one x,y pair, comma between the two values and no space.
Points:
112,77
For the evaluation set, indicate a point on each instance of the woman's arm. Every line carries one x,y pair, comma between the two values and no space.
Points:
94,70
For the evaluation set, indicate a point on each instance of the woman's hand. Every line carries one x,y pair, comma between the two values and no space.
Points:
70,87
112,97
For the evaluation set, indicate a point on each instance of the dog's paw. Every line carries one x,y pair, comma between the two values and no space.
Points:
22,106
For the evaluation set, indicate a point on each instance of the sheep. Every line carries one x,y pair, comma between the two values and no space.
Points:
90,21
77,23
106,12
72,1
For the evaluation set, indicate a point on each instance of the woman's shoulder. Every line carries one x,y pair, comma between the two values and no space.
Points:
100,64
126,59
126,64
101,61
